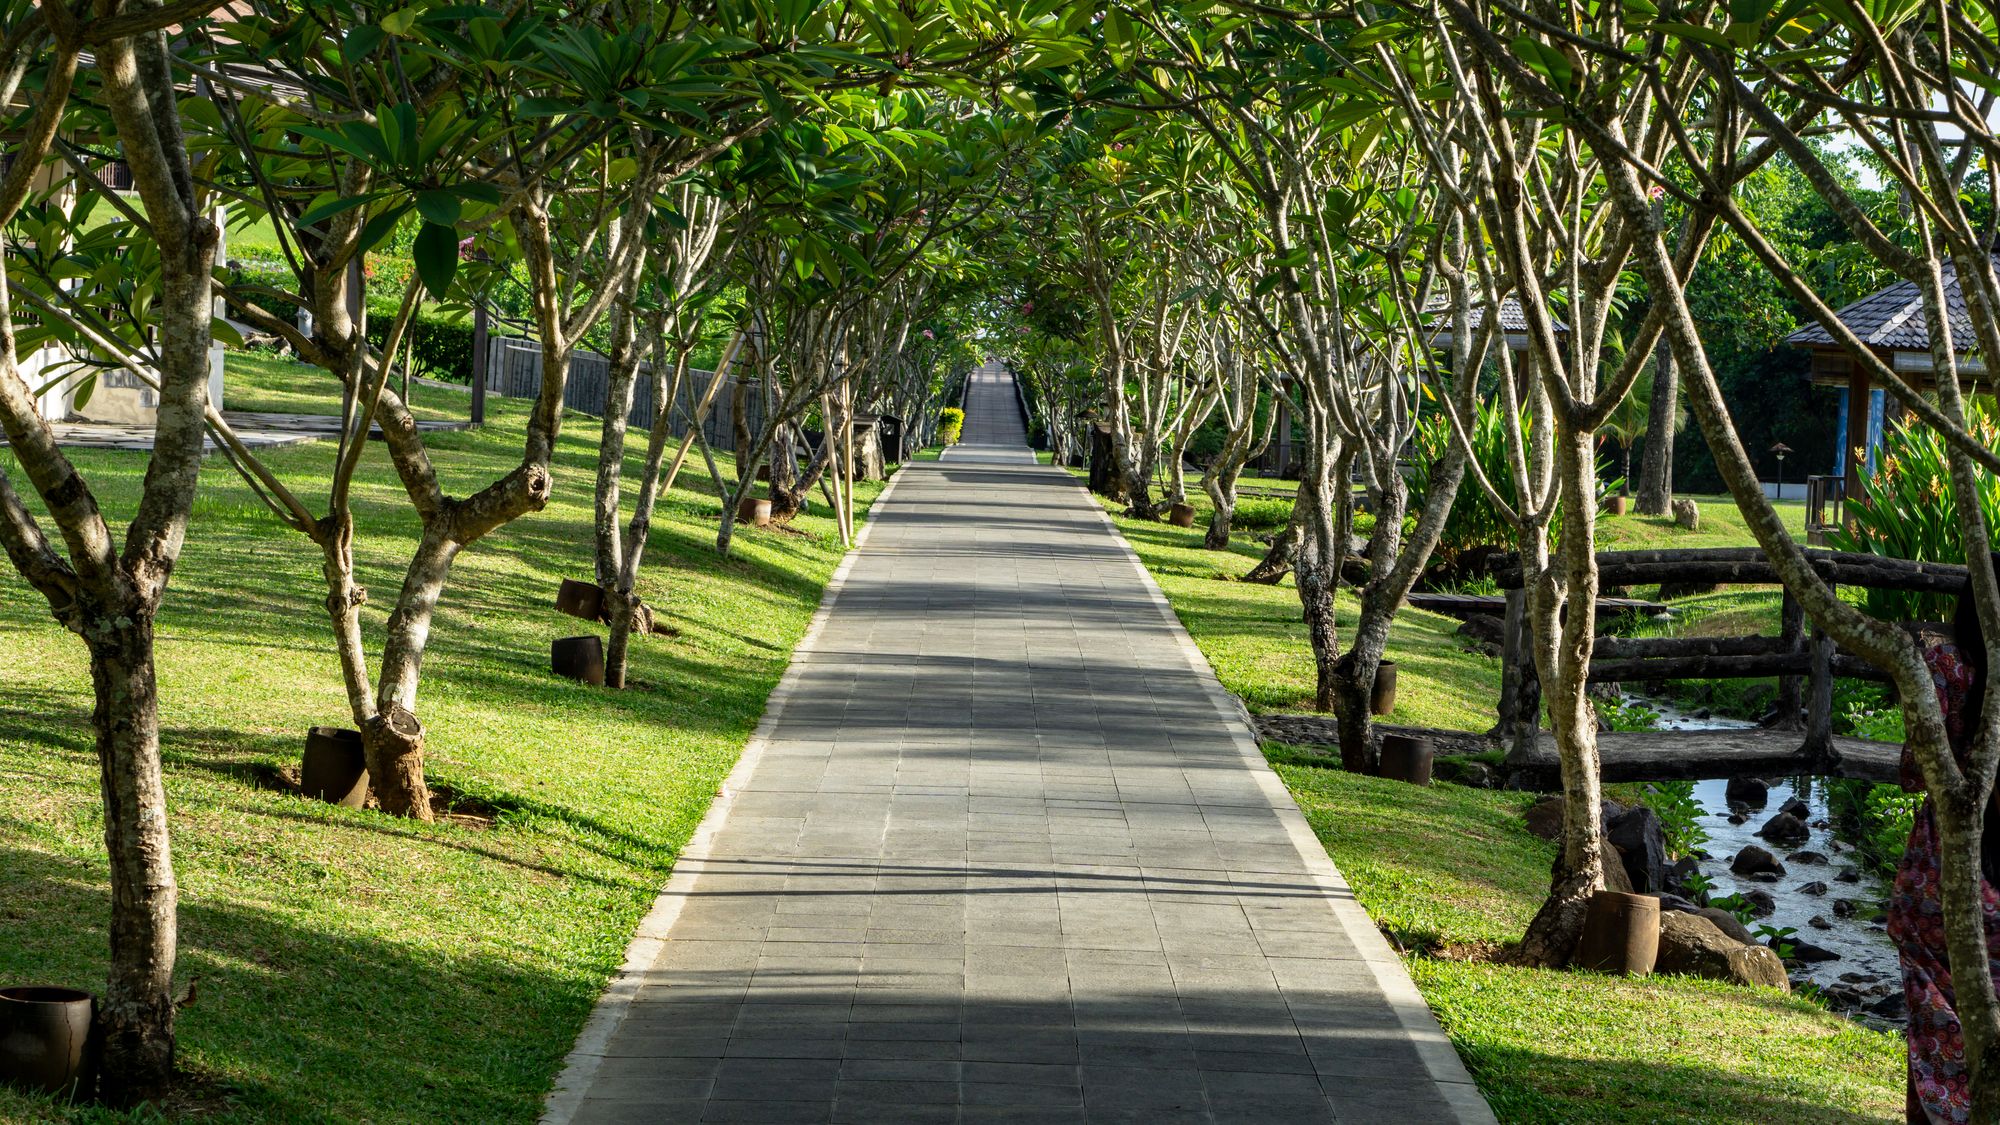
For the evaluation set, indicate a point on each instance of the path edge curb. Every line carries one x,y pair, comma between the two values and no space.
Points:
586,1056
1440,1058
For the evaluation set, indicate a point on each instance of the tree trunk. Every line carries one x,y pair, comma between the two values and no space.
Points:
344,599
612,574
739,428
394,744
1316,570
1316,589
1216,537
137,1016
1277,561
1563,642
622,381
622,609
394,738
1656,468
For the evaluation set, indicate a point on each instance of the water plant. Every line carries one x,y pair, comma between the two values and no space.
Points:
1877,817
1778,938
1736,904
1680,815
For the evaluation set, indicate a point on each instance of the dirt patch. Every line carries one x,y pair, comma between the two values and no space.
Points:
198,1095
1324,730
1471,952
448,805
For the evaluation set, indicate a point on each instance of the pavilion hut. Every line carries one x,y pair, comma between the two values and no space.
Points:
1282,456
1891,322
1513,330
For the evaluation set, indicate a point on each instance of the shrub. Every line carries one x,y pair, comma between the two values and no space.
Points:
1259,513
441,346
951,424
1907,510
269,275
1474,521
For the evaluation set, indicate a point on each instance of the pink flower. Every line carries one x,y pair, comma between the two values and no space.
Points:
1657,191
465,248
1027,308
928,335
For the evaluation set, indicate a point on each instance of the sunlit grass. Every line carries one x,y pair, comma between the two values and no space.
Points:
1451,871
352,967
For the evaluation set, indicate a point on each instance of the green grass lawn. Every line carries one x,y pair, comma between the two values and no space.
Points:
269,383
1449,871
1575,1047
1253,635
352,967
1721,526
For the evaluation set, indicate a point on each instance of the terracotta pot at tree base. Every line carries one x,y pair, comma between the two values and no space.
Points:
335,768
581,599
1383,699
753,511
1615,505
46,1043
1621,933
579,658
1181,515
1406,759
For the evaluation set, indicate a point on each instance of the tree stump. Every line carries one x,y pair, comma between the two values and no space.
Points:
1687,516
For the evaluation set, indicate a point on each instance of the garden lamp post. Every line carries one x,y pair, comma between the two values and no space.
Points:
1781,449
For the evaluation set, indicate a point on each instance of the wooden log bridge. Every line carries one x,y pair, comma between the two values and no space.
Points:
1694,755
1467,606
1804,662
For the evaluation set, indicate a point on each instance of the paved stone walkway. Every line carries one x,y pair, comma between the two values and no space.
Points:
256,429
1004,851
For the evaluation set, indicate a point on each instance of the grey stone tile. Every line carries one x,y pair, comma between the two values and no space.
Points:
1039,1094
1004,849
862,1111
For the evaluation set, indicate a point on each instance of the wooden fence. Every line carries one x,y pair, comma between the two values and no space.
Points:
514,369
1804,661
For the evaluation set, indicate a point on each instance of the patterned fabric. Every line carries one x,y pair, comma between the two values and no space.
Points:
1938,1076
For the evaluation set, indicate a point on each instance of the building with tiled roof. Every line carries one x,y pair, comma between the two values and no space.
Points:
1892,323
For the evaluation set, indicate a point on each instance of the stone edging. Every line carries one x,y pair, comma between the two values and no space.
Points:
1440,1060
580,1066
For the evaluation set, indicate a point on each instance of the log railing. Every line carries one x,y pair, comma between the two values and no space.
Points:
1804,661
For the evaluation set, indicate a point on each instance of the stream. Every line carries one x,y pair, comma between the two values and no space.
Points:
1822,876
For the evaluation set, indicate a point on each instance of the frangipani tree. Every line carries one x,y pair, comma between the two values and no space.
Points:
1353,243
1914,85
489,128
136,296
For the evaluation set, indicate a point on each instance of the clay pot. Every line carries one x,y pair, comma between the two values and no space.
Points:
579,658
1181,515
753,512
46,1043
581,599
1383,699
1621,933
335,768
1405,759
1615,505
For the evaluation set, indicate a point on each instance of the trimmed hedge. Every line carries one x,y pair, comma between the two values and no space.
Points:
442,347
